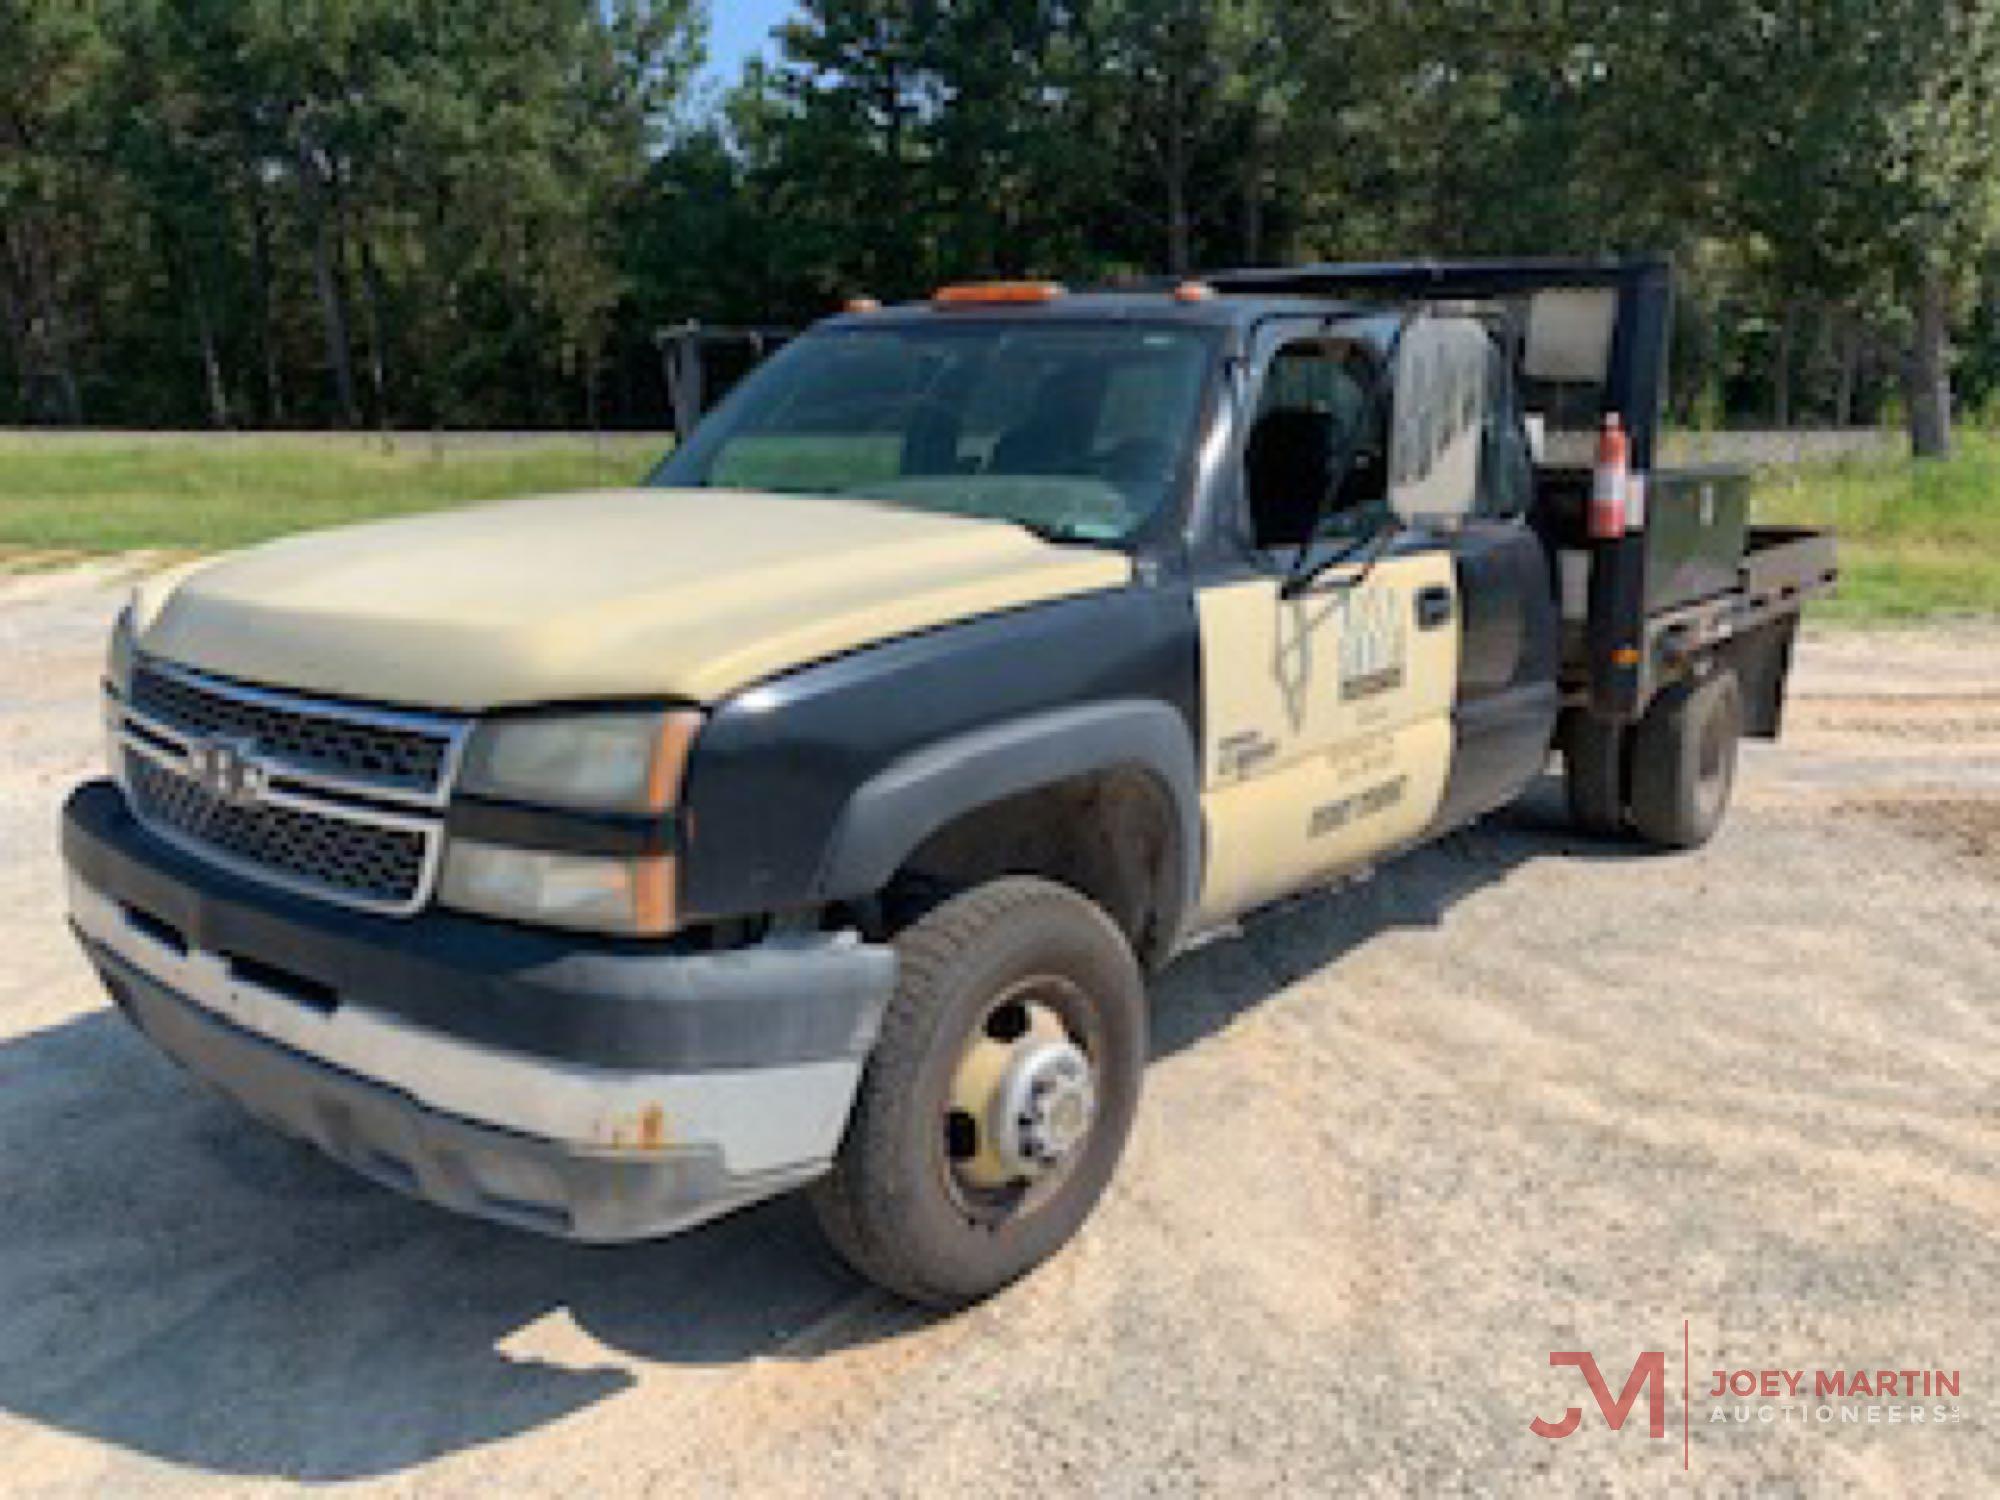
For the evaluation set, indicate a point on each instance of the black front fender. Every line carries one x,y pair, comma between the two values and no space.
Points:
892,813
809,787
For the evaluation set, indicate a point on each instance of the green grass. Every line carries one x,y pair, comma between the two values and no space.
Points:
1917,540
62,496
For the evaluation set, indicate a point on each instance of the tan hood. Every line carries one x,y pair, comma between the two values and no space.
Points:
620,593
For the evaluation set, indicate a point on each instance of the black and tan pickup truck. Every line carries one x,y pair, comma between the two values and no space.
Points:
813,813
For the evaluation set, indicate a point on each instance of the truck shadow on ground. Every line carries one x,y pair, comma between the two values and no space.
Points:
182,1285
1194,1000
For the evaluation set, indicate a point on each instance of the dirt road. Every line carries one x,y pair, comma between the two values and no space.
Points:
1522,1093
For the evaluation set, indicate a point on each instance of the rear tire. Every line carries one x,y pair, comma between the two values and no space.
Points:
1594,770
919,1199
1684,761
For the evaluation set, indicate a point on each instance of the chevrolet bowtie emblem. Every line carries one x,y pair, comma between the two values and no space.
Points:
229,770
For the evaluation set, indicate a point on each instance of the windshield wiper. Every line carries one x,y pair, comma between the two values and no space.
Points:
1049,531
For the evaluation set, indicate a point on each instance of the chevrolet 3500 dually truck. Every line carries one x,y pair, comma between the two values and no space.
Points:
810,815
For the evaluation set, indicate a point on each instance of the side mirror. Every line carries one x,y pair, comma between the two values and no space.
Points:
1442,393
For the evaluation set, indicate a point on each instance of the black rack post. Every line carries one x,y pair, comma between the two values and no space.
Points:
683,364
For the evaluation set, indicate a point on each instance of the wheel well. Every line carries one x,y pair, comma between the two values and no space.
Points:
1110,835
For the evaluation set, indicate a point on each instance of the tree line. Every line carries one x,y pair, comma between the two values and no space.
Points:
479,212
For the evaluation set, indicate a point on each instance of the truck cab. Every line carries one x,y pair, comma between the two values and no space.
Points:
812,814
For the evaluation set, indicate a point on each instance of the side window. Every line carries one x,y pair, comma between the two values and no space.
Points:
1314,460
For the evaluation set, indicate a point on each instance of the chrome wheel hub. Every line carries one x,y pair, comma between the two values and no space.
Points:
1046,1104
1022,1101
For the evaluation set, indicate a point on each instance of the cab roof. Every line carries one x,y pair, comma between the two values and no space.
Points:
1100,306
1243,297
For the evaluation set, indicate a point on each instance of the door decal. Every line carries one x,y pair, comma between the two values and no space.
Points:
1334,816
1239,755
1328,725
1374,644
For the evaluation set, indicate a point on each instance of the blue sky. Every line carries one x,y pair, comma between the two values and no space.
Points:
738,29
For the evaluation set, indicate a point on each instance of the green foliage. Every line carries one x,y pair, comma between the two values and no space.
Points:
479,211
103,495
1918,537
339,210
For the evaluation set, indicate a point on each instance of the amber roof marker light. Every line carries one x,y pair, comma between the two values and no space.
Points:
861,305
1194,291
999,294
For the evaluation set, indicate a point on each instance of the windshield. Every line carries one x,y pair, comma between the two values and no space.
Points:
1077,431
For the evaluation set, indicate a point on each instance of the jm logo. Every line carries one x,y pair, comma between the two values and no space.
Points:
228,770
1650,1371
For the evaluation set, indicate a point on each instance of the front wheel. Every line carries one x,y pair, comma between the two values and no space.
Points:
996,1103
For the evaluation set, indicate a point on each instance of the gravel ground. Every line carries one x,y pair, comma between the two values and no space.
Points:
1521,1093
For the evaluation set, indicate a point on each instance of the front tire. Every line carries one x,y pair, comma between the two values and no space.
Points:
997,1101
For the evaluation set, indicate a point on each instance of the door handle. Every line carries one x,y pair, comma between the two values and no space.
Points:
1435,607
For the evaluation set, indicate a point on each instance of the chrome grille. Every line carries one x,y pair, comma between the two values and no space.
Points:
343,859
398,751
328,799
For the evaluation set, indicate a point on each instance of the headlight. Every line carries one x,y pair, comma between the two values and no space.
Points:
117,692
594,761
118,659
607,761
631,897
